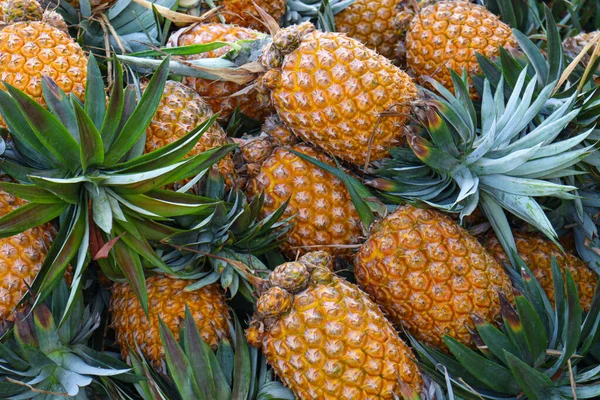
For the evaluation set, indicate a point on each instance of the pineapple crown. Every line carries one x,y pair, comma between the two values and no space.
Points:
502,161
539,352
223,246
44,357
84,164
236,371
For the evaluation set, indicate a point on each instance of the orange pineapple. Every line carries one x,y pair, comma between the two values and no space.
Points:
537,253
29,50
447,34
323,209
243,12
372,23
326,339
181,110
430,276
167,299
220,94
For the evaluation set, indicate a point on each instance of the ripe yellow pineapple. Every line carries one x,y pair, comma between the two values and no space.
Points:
537,252
334,92
29,50
326,339
181,110
323,209
219,94
167,299
447,34
243,12
21,257
430,275
372,23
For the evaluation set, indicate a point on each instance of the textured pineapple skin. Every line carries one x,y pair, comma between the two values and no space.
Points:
179,112
29,50
218,94
21,257
429,275
339,95
323,209
335,343
537,253
448,34
371,23
166,300
20,10
244,14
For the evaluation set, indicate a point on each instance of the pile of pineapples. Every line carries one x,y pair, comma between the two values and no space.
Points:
301,199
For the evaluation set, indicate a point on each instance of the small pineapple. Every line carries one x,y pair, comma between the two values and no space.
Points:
21,257
220,94
29,50
537,253
430,276
243,12
447,35
323,210
372,23
326,339
12,11
181,110
167,299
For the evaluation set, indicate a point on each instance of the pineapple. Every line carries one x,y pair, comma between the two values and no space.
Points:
220,95
448,34
181,110
430,276
372,23
335,93
326,339
319,202
167,300
12,11
29,50
243,12
537,253
21,257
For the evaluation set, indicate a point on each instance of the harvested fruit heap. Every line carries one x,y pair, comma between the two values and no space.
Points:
299,199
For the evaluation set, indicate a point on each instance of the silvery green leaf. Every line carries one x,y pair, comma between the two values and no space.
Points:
115,207
532,169
495,214
525,187
101,209
129,179
487,141
516,122
187,69
512,106
76,364
525,208
488,116
71,381
556,148
504,165
467,181
139,210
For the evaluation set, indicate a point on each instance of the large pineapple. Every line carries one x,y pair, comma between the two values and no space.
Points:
372,23
167,300
326,339
181,110
220,94
430,275
337,94
323,210
29,50
21,257
537,253
448,34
